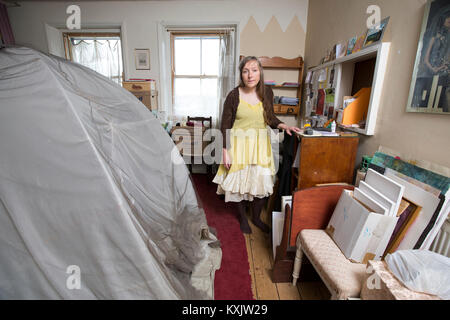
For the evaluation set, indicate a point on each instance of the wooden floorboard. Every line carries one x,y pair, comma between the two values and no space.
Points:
265,288
259,248
286,291
250,262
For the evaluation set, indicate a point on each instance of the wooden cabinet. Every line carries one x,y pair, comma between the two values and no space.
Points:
326,160
144,91
282,64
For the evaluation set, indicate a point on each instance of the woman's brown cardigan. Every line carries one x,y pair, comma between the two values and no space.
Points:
230,107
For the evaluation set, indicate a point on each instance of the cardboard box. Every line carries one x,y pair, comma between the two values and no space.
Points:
356,111
137,86
154,99
144,98
359,232
144,91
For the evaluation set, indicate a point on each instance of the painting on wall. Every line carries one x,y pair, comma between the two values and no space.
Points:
142,59
430,87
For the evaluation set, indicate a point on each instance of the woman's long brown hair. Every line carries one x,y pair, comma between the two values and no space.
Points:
260,86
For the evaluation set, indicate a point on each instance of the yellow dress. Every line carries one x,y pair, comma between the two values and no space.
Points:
252,170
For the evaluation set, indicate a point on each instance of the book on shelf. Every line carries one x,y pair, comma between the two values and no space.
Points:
358,44
290,84
289,101
351,44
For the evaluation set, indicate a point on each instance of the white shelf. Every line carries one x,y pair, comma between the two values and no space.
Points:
344,72
363,54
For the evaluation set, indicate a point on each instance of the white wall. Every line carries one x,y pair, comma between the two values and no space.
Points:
139,20
414,135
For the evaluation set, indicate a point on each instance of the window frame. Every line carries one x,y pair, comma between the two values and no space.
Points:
68,48
187,33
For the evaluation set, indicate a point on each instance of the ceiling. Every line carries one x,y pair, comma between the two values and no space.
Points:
12,1
9,3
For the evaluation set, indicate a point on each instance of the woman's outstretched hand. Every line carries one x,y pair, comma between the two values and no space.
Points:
288,129
226,160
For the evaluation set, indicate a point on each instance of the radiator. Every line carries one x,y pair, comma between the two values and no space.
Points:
441,243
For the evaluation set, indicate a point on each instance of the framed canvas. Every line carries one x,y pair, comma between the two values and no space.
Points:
375,35
142,59
430,91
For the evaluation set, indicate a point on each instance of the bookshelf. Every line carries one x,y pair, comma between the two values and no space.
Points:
348,75
280,64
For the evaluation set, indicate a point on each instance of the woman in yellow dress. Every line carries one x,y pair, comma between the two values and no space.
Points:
247,172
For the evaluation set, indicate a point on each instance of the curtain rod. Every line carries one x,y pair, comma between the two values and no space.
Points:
178,29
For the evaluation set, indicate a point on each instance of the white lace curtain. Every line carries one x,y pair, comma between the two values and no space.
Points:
227,70
101,55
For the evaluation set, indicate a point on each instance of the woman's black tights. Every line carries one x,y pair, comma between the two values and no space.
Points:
245,228
257,205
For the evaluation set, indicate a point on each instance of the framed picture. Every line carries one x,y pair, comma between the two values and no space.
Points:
375,34
430,91
142,59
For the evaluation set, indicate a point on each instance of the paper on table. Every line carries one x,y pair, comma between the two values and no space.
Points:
329,134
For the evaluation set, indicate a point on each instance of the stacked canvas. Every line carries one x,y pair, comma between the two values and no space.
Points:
426,200
424,204
363,220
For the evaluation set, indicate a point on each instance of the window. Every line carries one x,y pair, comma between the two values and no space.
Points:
195,73
101,52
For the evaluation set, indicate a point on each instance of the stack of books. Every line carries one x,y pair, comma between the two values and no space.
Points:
289,101
290,84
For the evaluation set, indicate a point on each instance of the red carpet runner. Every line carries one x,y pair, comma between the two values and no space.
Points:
232,280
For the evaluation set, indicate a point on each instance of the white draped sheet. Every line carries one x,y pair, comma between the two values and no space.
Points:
87,179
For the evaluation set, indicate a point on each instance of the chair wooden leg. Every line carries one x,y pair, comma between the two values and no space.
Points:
297,264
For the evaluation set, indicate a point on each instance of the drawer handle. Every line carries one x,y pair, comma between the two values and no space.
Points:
136,87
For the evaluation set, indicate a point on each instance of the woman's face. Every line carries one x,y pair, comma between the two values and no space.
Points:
251,74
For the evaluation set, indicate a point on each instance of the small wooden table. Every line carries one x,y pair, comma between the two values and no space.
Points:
326,159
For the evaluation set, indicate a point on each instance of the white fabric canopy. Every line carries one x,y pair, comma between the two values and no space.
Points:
87,180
